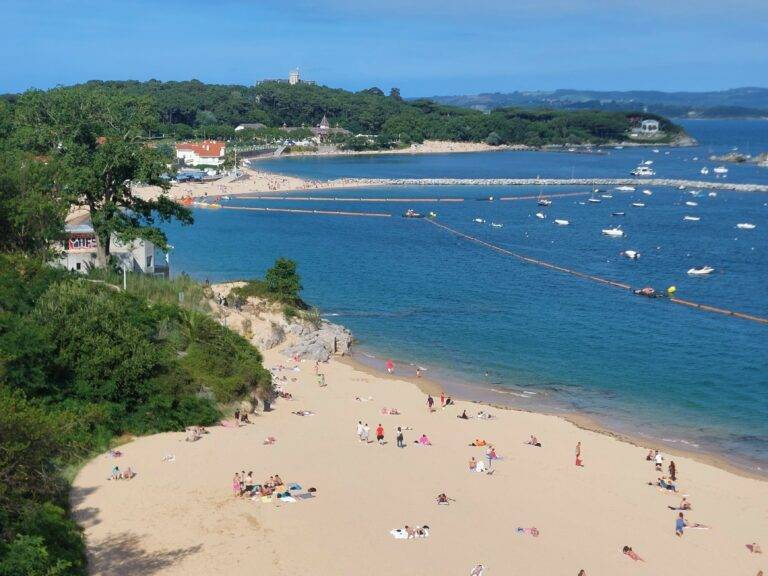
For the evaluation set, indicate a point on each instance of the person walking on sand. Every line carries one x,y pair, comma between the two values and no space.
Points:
390,367
360,430
380,433
578,454
672,470
658,460
430,403
366,432
442,399
400,438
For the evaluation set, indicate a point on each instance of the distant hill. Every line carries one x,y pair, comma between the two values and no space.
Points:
736,102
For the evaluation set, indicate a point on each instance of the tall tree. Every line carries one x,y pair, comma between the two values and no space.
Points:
96,144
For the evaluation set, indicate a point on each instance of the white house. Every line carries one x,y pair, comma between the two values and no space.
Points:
205,153
79,254
649,126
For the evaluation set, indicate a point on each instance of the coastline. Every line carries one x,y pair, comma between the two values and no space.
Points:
366,490
433,386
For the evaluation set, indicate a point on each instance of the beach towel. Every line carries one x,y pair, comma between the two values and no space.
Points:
285,498
305,496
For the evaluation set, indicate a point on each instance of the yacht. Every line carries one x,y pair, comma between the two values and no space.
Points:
495,225
613,232
700,271
745,226
562,222
479,220
618,213
638,204
631,254
720,170
691,218
541,215
625,188
545,202
594,200
712,194
691,203
647,192
643,171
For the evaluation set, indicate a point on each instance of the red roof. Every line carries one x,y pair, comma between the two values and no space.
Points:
204,149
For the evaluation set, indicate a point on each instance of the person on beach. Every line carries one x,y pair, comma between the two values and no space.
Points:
472,464
430,403
680,524
418,372
400,438
649,456
684,505
366,432
380,433
236,485
463,415
658,460
424,440
627,550
360,430
490,453
442,399
582,573
672,471
534,441
390,367
442,499
477,570
754,548
578,454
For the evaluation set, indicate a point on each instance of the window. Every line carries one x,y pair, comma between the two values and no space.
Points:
149,261
77,266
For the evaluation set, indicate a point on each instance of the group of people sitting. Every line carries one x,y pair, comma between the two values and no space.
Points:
241,417
194,433
244,485
127,474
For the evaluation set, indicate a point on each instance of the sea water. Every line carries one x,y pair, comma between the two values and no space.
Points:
502,330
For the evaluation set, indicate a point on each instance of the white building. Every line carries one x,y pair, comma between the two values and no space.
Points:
294,77
79,254
649,126
205,153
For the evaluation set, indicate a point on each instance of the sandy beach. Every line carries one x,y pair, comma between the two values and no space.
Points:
181,517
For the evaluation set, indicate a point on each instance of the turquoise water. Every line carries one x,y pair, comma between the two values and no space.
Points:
542,339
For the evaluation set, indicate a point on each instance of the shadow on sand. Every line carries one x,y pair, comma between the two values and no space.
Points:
123,555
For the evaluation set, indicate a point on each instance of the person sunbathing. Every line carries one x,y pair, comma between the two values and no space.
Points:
477,570
663,484
754,548
424,441
534,441
443,499
410,531
303,413
128,474
478,442
684,505
627,550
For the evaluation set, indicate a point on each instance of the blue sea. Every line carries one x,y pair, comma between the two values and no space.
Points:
494,328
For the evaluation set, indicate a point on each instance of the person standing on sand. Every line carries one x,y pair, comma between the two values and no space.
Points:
658,460
380,433
430,403
578,454
390,367
672,470
400,439
360,430
366,432
442,399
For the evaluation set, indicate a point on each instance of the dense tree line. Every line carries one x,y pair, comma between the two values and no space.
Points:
194,109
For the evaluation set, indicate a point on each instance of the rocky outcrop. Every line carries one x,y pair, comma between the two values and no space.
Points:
739,158
321,343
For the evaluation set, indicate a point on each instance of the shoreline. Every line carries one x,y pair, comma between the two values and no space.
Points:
433,386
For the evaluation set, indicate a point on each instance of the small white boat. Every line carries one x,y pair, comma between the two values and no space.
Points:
562,222
638,204
648,162
745,226
712,194
647,192
704,170
700,271
541,215
631,254
695,193
607,196
479,220
691,218
594,200
643,171
720,170
681,187
613,232
691,203
655,150
495,225
618,213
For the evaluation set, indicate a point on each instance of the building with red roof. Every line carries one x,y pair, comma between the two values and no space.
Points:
205,153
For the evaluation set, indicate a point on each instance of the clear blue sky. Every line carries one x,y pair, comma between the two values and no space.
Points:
424,47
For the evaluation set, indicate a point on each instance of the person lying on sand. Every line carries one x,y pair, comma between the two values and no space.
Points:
534,441
477,570
663,484
269,440
754,548
443,499
684,505
423,440
303,413
484,415
627,550
463,416
478,442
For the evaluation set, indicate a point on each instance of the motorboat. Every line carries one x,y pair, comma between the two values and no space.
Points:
745,226
495,225
410,213
638,204
694,193
691,203
545,202
655,150
648,162
700,271
479,220
625,188
432,215
647,192
712,194
691,218
541,215
720,170
594,200
618,213
643,171
560,222
613,232
704,170
606,196
631,254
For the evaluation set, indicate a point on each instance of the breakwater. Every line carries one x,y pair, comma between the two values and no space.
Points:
671,182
